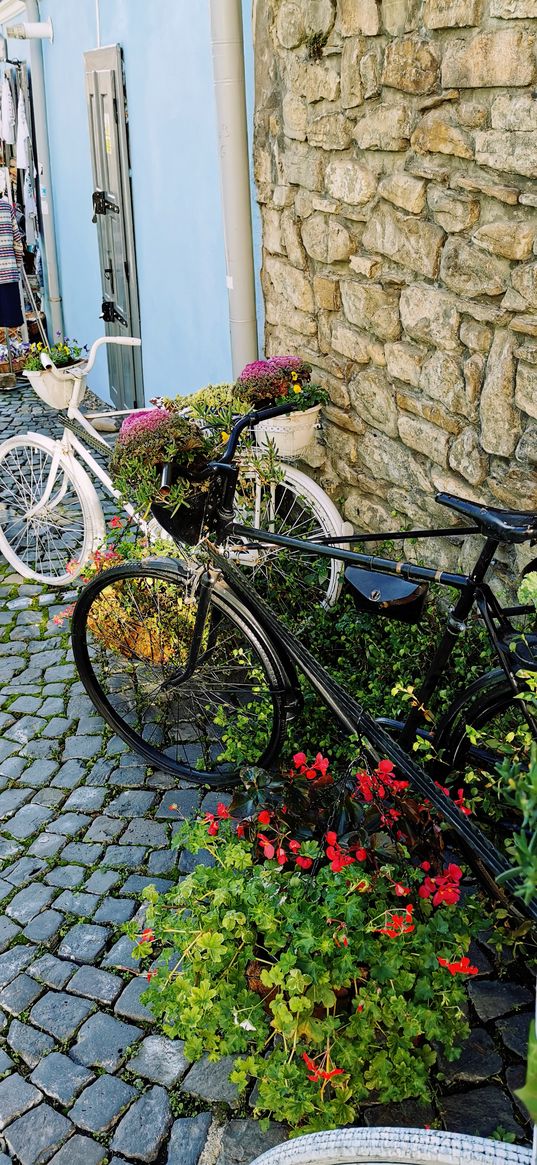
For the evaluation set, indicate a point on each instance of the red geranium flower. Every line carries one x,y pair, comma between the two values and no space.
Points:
264,817
463,967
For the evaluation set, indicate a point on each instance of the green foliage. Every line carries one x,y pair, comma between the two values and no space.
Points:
146,444
61,354
324,982
527,591
528,1094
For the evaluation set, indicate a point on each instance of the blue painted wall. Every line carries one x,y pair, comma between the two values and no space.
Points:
176,195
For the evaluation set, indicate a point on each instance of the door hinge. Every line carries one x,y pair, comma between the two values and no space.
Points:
127,270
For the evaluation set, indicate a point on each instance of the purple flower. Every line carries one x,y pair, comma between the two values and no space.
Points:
141,421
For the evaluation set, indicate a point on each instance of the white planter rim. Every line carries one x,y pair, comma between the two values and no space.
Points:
394,1146
55,393
291,433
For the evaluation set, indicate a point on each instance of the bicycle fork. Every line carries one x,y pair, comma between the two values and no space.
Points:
199,640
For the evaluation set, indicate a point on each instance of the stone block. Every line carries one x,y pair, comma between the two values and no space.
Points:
60,1078
143,1129
399,16
210,1081
353,18
290,25
410,65
16,1097
244,1139
451,13
514,111
349,181
479,1112
510,150
514,9
290,283
373,398
370,70
406,240
103,1042
489,59
325,240
475,336
291,239
34,1137
429,316
526,389
387,460
467,458
295,117
326,292
442,379
351,82
467,271
404,191
451,212
188,1137
500,420
511,240
302,166
524,280
101,1105
429,410
321,83
424,437
371,306
330,131
404,361
386,128
436,133
349,343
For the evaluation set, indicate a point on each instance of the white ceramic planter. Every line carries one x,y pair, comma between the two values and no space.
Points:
55,388
387,1146
291,434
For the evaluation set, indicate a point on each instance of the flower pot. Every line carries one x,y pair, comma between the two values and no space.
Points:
387,1146
55,393
291,434
186,525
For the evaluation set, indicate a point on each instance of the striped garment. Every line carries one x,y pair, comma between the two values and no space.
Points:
11,248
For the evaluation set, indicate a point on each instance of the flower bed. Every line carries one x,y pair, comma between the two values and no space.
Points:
326,948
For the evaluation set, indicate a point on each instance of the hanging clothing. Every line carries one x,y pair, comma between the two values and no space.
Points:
11,248
8,111
23,134
30,210
10,305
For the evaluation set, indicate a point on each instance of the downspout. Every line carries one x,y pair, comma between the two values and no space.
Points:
45,184
229,84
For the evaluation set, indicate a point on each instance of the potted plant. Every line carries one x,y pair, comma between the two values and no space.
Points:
161,463
54,389
276,381
325,948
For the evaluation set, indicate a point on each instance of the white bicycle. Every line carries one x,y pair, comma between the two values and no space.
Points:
51,514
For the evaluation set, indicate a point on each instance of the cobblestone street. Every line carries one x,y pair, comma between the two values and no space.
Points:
86,1077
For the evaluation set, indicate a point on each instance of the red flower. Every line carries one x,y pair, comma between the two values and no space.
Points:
222,811
300,759
359,1007
150,975
213,829
459,802
331,837
294,846
281,856
264,817
304,863
400,890
384,767
463,967
147,936
315,1074
360,854
444,887
266,846
425,866
321,764
240,829
115,523
397,924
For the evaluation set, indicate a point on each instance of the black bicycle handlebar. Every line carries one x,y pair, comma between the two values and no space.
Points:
249,420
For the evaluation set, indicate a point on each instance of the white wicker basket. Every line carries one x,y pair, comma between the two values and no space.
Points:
54,388
387,1146
291,434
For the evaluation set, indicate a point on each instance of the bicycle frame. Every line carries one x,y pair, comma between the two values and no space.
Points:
355,719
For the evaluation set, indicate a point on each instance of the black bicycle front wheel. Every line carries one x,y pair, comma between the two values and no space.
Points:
131,632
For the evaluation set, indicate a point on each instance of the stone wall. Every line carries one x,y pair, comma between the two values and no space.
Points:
395,161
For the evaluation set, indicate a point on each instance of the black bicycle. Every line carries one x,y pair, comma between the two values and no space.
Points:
184,659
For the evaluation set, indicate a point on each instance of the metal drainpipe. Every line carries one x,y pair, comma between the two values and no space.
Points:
228,68
43,159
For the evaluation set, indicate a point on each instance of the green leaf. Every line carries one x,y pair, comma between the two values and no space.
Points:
528,1094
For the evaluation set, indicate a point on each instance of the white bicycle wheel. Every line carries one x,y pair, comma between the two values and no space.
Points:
391,1146
296,507
39,537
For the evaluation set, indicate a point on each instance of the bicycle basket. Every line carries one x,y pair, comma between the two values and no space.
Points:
382,594
192,519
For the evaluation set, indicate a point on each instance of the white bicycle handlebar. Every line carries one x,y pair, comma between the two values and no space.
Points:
83,369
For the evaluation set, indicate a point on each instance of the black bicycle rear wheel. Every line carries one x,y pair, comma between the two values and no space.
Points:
131,635
474,734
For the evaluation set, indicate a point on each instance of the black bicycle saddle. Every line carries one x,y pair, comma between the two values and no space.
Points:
502,525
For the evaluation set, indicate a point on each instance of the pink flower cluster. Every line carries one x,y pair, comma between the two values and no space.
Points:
141,421
269,367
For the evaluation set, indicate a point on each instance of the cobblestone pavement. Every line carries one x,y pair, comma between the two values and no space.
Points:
85,1076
